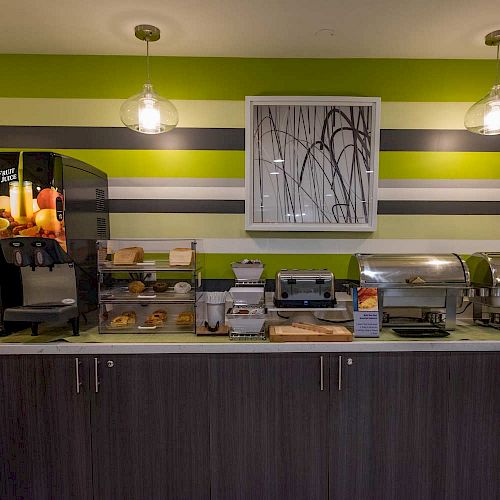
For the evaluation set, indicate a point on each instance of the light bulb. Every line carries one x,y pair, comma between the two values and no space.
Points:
492,118
149,116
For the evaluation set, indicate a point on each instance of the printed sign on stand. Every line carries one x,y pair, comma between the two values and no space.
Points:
365,307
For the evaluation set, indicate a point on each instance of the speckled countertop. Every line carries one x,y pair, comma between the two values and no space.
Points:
466,337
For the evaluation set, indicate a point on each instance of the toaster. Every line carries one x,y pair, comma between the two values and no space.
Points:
304,288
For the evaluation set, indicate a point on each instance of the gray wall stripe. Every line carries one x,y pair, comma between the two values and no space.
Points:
178,206
238,207
439,207
121,138
222,139
436,140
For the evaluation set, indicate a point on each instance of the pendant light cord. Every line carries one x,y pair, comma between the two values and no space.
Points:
147,61
498,48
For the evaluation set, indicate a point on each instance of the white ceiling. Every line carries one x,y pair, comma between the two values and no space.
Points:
253,28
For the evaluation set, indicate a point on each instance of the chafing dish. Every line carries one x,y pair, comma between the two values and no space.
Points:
485,286
433,281
304,288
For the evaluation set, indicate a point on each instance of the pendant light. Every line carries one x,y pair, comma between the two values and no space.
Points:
484,116
148,112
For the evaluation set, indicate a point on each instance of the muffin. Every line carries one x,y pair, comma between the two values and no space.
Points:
136,287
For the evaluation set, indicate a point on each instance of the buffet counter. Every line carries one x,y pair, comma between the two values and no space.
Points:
466,337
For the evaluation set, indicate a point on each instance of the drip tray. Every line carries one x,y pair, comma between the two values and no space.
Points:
427,332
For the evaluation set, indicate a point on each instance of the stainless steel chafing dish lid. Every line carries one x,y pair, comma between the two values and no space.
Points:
485,269
412,270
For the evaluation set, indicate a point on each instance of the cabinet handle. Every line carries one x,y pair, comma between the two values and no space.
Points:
96,375
340,373
77,373
321,374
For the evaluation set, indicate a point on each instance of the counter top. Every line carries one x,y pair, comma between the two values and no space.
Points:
58,341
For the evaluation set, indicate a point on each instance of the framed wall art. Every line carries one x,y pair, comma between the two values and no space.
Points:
311,163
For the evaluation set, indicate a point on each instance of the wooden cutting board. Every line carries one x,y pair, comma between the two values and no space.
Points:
287,333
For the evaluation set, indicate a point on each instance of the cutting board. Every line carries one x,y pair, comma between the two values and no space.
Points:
287,333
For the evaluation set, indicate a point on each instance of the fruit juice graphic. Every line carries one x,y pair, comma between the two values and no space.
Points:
21,201
22,213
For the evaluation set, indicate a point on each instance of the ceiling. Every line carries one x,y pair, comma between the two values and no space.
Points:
253,28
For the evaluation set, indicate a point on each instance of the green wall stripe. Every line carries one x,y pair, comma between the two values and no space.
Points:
219,265
234,78
159,163
439,165
451,227
231,164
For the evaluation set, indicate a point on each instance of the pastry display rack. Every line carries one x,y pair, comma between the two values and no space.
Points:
148,285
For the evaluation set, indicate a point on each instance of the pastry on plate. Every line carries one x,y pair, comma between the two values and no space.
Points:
136,287
125,319
160,286
185,318
157,318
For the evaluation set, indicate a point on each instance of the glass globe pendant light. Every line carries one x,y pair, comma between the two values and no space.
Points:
148,112
484,116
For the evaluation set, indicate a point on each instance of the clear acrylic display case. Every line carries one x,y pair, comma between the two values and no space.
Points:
152,296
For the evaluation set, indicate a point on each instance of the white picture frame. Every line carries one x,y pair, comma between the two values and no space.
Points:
311,163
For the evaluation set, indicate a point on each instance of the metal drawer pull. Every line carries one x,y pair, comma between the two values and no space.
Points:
96,375
77,372
321,375
340,373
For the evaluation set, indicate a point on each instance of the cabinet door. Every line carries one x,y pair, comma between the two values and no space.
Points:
150,428
388,426
473,470
268,423
45,448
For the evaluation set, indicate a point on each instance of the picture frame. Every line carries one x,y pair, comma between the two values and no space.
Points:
311,163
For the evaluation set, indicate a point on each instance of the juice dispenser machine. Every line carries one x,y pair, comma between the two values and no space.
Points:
44,197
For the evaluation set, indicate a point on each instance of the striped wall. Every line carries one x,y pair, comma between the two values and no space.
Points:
439,186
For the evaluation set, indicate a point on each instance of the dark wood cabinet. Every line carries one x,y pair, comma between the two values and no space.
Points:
387,426
252,426
150,428
268,417
45,447
473,458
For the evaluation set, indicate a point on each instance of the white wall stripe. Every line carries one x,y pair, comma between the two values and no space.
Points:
106,112
177,193
209,113
439,194
440,183
146,182
238,193
347,246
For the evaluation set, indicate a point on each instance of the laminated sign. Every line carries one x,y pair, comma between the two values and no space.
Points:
366,315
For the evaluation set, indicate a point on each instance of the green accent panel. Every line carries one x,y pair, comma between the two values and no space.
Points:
218,265
160,163
439,165
231,164
233,78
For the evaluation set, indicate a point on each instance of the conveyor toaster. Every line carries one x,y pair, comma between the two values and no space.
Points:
304,288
